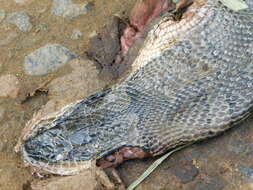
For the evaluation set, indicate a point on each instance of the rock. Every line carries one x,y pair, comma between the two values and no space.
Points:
9,86
2,15
92,179
104,48
76,34
185,173
81,82
247,173
47,59
21,20
67,9
65,183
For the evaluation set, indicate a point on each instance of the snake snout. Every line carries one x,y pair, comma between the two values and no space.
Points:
52,147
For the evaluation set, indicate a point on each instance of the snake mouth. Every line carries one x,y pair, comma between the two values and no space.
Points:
65,162
61,168
49,152
68,167
68,156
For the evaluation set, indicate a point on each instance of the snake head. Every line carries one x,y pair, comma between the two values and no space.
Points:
64,142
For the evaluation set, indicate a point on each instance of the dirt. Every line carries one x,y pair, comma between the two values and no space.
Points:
19,105
223,162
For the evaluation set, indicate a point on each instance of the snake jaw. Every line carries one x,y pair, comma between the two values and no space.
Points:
62,168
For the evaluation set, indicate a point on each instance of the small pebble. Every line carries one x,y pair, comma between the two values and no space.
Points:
67,9
9,86
76,34
21,20
2,15
47,59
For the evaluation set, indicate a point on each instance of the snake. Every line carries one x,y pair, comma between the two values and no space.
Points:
192,79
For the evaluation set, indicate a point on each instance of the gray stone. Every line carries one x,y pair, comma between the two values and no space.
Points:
247,173
47,59
2,15
21,20
76,34
67,9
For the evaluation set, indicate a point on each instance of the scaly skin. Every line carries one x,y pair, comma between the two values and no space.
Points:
192,79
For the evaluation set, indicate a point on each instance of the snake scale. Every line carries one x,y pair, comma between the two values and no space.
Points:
191,80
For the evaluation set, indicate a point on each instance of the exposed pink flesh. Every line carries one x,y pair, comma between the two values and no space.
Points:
142,13
119,156
145,10
129,37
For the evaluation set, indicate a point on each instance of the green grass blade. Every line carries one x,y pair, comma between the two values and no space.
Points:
235,5
153,167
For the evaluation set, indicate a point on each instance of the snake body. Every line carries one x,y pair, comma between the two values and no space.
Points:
191,80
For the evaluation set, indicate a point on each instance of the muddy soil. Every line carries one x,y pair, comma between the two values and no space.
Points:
219,163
